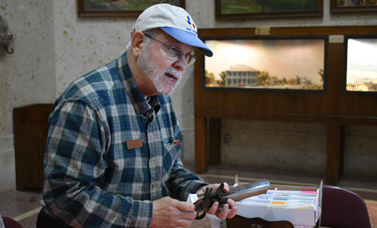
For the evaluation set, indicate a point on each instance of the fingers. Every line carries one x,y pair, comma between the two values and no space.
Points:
168,212
214,187
188,215
184,223
184,206
233,207
187,210
228,210
213,209
226,186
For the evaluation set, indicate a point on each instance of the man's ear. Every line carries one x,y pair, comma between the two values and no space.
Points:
137,43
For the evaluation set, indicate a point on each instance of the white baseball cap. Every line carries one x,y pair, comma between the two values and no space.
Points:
175,21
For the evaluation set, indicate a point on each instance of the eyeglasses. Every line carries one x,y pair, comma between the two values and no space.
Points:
175,54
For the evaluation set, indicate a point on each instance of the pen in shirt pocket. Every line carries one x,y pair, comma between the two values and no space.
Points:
175,142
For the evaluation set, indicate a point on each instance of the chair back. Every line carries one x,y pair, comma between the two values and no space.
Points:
342,208
11,223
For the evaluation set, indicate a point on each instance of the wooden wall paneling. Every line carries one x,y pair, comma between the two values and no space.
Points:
30,137
335,152
201,151
214,140
332,106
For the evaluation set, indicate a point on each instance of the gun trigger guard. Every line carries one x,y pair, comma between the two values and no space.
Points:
201,216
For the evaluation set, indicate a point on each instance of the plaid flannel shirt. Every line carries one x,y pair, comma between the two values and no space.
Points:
91,178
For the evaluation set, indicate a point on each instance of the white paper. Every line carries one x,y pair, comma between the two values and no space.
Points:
192,198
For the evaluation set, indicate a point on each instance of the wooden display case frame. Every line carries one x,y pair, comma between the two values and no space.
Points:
334,107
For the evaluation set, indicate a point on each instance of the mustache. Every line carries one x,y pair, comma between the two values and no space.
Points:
174,72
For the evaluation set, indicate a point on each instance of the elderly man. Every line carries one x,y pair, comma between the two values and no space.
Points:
113,143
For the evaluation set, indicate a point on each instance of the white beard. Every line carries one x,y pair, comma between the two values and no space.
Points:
152,71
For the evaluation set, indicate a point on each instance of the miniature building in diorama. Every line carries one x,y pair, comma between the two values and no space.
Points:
241,75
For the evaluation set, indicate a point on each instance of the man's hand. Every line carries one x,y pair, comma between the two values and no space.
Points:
228,210
168,212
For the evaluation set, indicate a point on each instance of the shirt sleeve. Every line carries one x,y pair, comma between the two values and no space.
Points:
74,167
182,181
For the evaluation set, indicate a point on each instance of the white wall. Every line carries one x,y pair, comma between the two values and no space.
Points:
53,46
83,44
28,75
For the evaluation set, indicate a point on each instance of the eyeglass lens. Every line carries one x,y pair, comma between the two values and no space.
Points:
175,54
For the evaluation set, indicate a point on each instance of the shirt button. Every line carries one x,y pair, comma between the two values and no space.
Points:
152,187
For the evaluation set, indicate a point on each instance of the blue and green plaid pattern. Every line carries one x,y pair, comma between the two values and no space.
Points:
91,178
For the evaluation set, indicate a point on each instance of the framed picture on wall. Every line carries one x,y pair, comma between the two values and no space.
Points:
349,6
127,8
273,63
360,64
246,9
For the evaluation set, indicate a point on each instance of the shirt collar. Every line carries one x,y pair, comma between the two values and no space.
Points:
138,101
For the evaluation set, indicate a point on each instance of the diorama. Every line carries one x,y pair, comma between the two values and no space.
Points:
278,63
331,105
360,64
243,9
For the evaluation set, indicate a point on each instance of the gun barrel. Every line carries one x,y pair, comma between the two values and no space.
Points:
244,191
246,194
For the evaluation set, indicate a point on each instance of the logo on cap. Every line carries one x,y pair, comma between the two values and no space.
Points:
188,20
192,27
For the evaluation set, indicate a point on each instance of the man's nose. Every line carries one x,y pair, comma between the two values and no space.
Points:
181,63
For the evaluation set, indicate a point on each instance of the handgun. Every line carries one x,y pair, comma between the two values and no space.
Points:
206,200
